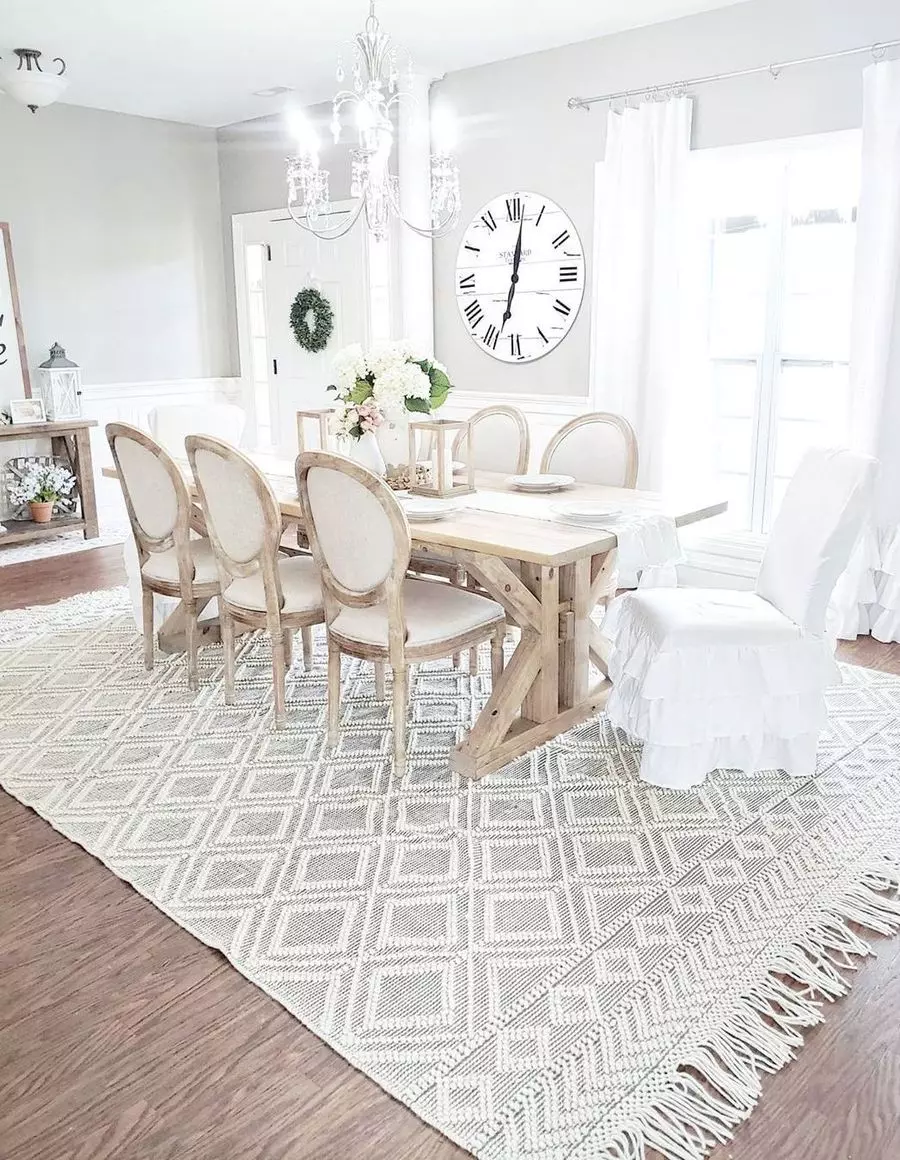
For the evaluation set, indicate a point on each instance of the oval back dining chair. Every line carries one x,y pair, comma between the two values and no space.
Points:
596,448
159,510
260,588
500,441
360,539
171,424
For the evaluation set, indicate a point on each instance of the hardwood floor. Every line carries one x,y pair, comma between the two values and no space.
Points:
123,1038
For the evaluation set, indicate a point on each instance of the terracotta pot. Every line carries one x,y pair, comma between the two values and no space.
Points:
41,513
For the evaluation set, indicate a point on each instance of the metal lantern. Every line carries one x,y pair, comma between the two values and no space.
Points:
443,481
60,384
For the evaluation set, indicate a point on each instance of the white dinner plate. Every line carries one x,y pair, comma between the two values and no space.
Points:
543,483
589,512
420,508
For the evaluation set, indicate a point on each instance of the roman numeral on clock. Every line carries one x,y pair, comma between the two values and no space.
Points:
474,249
562,308
568,273
543,336
474,313
488,219
515,346
561,239
513,209
467,282
540,215
491,336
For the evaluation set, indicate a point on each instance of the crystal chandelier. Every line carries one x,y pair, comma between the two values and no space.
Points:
375,92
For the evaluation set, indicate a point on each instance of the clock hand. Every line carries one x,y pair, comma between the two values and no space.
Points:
517,258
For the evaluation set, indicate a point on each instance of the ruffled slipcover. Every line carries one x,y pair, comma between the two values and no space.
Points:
711,679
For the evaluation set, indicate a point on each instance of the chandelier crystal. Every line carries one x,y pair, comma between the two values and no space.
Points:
376,91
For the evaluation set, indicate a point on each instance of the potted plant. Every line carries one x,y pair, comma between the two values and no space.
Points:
376,392
40,487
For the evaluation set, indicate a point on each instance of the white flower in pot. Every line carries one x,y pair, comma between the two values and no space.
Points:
41,486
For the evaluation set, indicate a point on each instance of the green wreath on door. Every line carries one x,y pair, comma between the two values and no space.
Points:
312,302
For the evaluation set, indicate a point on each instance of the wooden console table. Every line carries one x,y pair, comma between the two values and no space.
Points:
70,440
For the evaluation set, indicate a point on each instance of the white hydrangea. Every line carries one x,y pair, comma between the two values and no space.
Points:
385,356
398,383
43,482
418,384
349,365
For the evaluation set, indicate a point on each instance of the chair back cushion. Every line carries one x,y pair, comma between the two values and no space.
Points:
355,522
171,425
599,448
500,440
149,486
235,497
811,540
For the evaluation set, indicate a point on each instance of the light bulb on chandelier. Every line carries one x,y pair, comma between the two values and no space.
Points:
375,94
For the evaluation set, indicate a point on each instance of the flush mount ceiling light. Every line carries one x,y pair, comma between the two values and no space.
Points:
373,93
274,91
26,81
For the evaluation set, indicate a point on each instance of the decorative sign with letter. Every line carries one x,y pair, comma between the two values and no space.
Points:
14,381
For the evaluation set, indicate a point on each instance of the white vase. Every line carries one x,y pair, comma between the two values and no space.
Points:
393,438
366,452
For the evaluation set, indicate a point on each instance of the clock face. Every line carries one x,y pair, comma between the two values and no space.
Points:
519,277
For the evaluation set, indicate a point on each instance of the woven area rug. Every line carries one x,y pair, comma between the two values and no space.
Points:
557,962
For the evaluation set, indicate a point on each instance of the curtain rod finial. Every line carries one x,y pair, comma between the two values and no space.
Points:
579,103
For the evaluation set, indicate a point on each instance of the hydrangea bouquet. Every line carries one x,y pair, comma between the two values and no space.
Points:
380,385
41,483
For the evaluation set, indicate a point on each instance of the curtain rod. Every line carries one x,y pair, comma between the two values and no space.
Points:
877,50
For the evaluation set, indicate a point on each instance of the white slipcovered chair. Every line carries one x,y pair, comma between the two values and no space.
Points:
711,679
259,587
170,561
170,425
360,540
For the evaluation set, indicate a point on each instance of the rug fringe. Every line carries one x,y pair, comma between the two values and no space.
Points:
19,625
719,1083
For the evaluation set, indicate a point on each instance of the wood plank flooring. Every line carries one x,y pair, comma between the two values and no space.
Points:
123,1038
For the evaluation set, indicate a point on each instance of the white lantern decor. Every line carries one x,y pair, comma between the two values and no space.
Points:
60,383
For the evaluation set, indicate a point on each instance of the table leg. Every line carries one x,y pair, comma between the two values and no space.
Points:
172,634
574,660
542,701
85,474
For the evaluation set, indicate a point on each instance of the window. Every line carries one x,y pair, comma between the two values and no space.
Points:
778,230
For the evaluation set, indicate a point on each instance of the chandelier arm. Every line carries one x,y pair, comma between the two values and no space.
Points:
438,231
327,235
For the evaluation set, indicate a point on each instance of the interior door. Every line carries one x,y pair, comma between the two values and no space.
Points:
292,259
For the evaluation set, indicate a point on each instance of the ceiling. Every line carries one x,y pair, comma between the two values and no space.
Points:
200,61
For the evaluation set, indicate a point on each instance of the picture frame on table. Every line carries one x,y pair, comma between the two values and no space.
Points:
23,411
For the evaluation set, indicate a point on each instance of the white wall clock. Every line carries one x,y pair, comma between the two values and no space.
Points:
519,277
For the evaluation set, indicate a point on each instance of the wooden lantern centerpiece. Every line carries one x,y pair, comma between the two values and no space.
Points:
444,433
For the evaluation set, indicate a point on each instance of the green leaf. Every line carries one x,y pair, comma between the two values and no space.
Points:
439,379
439,396
356,432
421,406
361,392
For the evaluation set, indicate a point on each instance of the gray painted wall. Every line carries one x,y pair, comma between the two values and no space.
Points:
115,224
252,178
516,132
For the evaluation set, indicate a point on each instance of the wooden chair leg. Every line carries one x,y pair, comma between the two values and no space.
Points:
227,628
288,648
400,710
379,680
192,645
147,610
306,642
278,674
497,653
473,661
457,660
334,692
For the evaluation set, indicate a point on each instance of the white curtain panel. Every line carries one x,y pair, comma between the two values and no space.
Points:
641,211
867,599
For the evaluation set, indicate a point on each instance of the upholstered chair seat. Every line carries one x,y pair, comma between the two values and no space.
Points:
164,565
433,612
300,587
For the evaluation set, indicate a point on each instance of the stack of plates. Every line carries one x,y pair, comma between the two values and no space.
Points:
540,483
420,508
589,512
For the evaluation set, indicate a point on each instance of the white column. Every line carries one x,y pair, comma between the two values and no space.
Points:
415,300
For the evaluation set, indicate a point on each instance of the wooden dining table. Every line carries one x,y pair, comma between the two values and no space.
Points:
547,574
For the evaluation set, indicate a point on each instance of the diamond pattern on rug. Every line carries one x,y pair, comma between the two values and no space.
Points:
524,960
